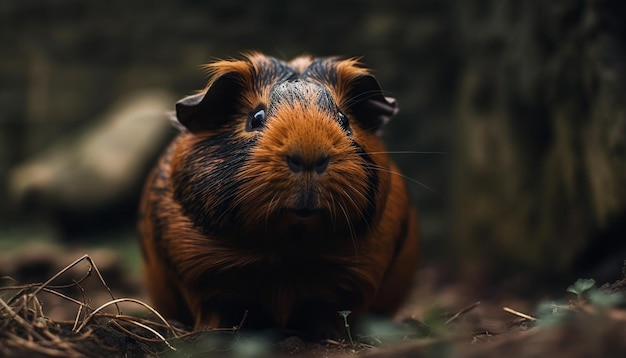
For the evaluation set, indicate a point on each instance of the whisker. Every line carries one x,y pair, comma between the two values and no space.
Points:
363,196
352,233
402,152
364,96
269,209
333,214
232,193
242,199
229,196
358,207
383,169
331,210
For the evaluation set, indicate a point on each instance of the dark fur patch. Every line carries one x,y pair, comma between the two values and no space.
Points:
206,186
299,91
271,71
373,181
322,71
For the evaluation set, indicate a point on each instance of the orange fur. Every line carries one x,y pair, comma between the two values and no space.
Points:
220,232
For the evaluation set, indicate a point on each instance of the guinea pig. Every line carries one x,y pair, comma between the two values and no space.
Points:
278,198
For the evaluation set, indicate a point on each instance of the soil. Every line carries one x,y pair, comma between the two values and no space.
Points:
61,303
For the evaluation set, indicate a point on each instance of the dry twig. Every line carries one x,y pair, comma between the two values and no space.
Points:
25,328
520,314
461,312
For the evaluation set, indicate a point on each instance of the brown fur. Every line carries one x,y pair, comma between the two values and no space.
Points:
255,254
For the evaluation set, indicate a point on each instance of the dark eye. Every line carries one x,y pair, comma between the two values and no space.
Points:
343,122
256,120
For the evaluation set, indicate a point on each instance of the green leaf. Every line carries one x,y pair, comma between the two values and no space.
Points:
605,299
550,313
344,314
581,286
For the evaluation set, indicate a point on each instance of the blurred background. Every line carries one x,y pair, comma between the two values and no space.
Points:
517,110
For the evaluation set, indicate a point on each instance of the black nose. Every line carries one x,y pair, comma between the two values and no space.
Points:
297,164
321,164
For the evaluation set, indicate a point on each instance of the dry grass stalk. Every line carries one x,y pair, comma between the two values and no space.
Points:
519,314
463,311
25,328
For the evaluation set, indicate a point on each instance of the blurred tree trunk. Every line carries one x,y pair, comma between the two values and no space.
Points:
542,137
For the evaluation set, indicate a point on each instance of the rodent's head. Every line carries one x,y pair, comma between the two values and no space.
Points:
269,145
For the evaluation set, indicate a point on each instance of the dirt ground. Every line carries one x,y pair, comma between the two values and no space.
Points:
55,302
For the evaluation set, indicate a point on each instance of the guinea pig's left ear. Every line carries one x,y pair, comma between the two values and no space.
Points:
368,104
212,108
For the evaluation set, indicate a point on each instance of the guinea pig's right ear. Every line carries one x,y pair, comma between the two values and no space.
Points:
371,108
214,107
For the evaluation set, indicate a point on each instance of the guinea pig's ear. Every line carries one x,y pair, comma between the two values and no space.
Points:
368,104
212,108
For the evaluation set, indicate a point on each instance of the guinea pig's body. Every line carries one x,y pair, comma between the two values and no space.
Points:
278,199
